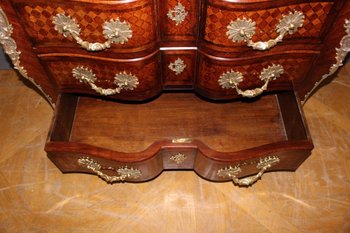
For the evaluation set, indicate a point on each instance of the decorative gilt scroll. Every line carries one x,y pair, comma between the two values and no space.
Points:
115,31
178,14
178,66
244,29
123,172
232,172
178,158
10,48
231,79
339,57
123,80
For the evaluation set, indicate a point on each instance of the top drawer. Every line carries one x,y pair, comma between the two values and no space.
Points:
127,25
234,25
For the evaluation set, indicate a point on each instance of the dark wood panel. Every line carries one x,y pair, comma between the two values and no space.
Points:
183,80
218,17
177,115
328,53
187,30
211,68
145,69
28,59
37,17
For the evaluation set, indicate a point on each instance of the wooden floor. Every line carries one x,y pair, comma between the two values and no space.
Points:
36,197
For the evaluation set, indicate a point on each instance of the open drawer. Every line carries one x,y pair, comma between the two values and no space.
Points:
220,141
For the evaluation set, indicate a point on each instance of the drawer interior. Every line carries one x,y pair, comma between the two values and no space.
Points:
222,126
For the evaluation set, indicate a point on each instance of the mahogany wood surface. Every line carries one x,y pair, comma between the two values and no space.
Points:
146,69
140,135
184,80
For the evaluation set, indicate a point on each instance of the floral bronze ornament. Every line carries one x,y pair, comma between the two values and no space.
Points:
241,30
178,66
232,171
244,29
341,53
10,48
123,80
178,158
231,79
178,14
123,172
115,31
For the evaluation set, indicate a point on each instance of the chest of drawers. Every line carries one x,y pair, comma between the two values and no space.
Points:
143,86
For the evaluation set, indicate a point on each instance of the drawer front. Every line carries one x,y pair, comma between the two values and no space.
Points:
246,76
122,79
261,24
179,20
179,158
178,68
139,16
108,169
253,167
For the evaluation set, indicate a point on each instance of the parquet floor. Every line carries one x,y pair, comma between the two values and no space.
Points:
36,197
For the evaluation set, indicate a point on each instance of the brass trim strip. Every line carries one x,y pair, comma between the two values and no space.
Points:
10,48
339,57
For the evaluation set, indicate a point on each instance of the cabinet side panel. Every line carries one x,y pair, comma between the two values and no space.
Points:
19,48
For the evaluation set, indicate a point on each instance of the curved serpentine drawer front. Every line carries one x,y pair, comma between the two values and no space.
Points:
230,78
235,25
128,79
53,22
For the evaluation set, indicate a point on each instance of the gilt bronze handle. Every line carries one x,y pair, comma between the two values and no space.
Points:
123,172
123,80
114,30
232,172
231,79
243,29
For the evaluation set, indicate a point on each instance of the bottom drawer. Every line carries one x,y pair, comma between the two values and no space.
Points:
220,141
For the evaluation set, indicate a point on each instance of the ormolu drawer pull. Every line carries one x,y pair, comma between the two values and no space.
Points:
115,31
123,172
178,14
244,29
231,79
263,165
123,80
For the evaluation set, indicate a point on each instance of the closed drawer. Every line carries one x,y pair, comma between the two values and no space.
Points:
133,24
178,68
232,25
179,20
127,79
178,131
225,78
